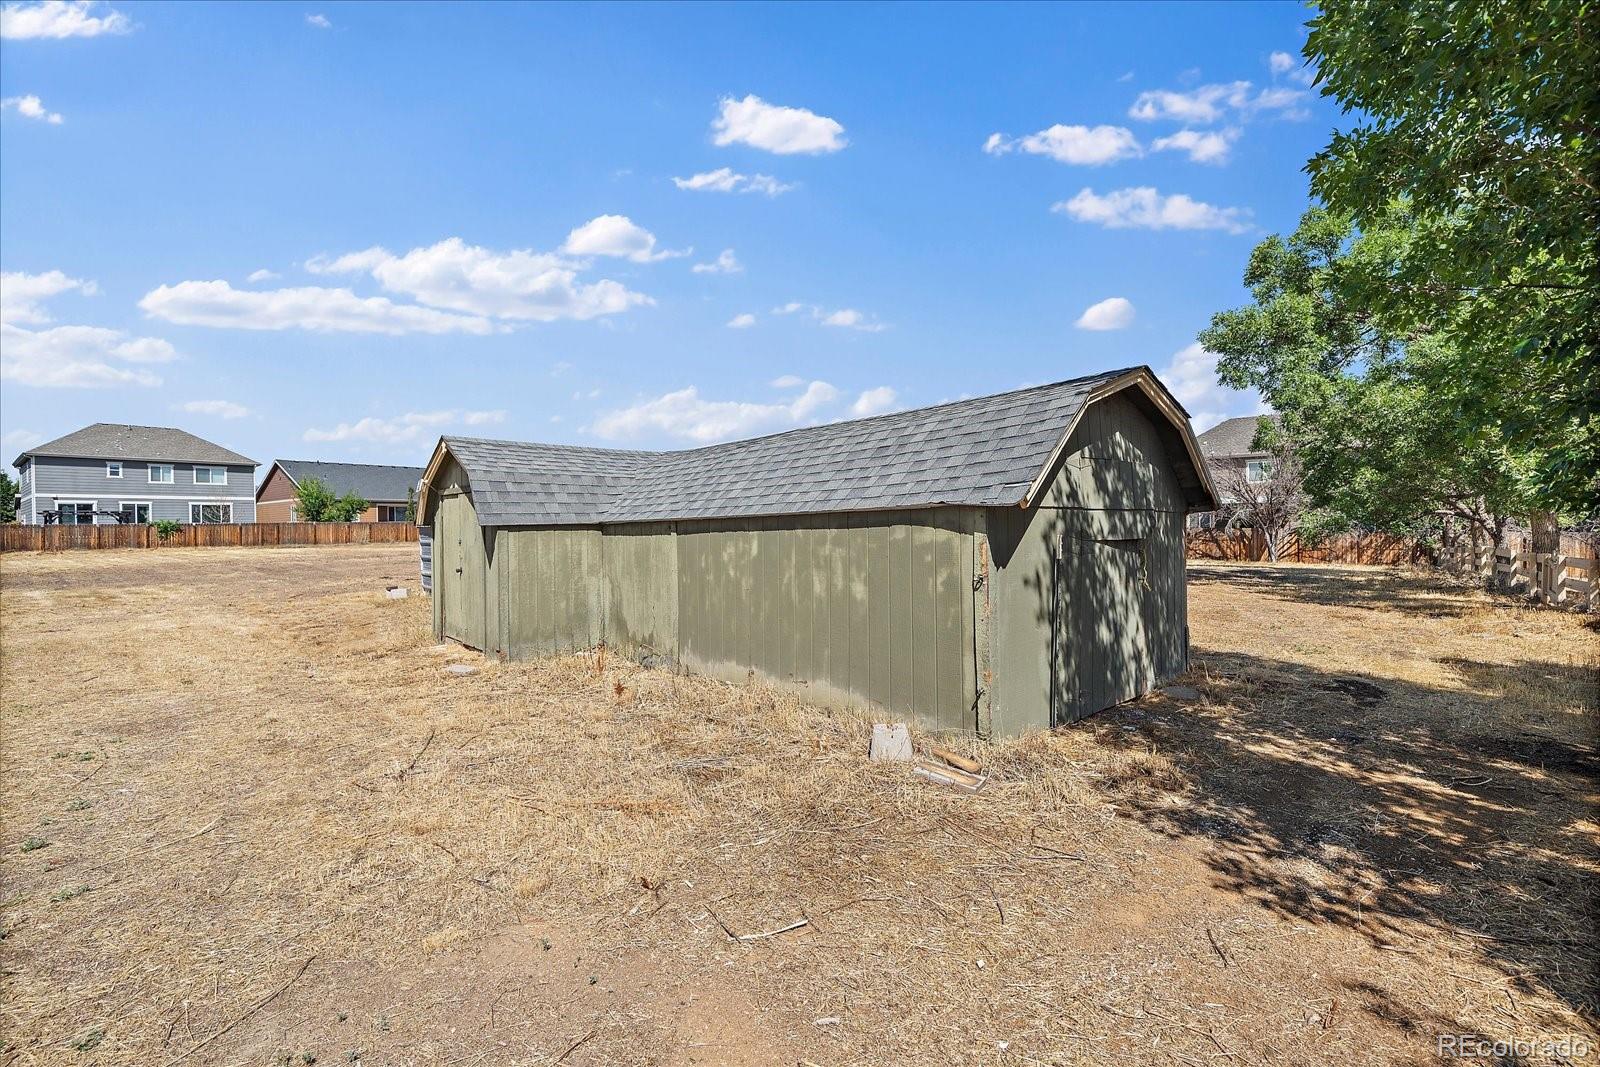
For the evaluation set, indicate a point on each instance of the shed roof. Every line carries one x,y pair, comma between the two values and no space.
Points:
374,481
1232,438
115,440
992,451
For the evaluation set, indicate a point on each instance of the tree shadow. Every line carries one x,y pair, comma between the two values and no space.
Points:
1362,802
1385,589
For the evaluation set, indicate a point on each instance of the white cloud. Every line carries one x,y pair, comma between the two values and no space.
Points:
79,357
726,180
1113,313
1208,103
1203,147
847,318
616,235
31,107
725,263
58,19
1082,145
687,415
851,319
1191,376
222,409
263,275
319,21
67,356
520,284
874,402
1283,64
362,262
783,130
217,303
22,295
787,381
1145,208
20,439
742,322
403,428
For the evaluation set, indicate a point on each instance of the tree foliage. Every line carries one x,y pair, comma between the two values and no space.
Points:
8,498
1362,403
316,503
1480,120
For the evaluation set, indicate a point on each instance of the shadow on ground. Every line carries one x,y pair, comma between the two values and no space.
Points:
1338,798
1386,587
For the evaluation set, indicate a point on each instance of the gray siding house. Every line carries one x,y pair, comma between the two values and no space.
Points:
109,473
1229,451
987,567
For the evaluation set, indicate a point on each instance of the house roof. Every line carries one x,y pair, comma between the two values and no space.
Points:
992,451
115,440
375,481
1233,437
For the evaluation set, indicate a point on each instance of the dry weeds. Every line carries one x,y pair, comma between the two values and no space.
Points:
300,834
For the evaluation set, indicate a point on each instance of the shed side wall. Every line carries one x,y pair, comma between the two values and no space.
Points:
847,609
551,588
1115,481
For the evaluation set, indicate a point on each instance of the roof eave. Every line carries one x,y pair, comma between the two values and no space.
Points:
1164,401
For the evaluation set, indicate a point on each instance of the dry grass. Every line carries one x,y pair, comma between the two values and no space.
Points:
253,760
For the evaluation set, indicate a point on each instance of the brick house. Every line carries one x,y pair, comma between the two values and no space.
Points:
388,489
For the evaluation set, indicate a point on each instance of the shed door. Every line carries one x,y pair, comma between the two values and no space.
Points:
458,570
1106,598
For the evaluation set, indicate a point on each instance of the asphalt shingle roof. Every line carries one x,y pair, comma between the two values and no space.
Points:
114,440
1231,437
375,482
983,452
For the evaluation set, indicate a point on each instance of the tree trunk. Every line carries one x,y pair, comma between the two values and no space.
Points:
1546,534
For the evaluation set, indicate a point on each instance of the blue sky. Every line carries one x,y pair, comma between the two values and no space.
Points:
330,231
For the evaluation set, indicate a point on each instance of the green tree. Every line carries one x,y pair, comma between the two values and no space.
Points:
8,498
1360,400
1481,121
316,503
347,508
411,504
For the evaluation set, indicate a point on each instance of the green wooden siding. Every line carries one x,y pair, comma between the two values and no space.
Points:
551,587
874,609
1090,601
642,599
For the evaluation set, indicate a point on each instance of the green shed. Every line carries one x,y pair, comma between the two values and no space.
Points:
989,566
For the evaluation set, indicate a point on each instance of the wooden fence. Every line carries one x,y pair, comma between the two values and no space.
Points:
1567,577
1247,545
208,535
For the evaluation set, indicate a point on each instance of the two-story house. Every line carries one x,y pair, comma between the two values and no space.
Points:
389,491
1229,451
110,473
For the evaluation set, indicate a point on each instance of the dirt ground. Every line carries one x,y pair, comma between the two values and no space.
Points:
250,817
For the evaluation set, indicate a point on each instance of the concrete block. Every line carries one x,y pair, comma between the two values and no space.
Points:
891,741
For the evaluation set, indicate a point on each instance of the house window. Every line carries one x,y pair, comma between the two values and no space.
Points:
136,512
1257,470
161,472
113,468
211,476
76,513
391,513
209,513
